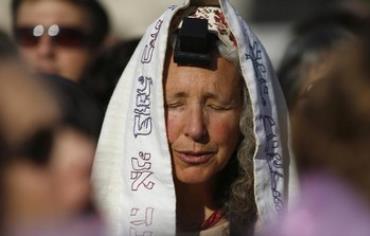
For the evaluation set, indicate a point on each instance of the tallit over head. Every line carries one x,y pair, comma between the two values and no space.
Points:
132,172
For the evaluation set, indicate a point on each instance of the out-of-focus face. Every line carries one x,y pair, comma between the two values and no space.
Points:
59,189
48,56
203,110
49,182
26,187
71,163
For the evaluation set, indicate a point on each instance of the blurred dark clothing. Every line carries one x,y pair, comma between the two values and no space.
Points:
79,109
102,75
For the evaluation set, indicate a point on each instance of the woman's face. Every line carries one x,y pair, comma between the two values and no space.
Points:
203,110
48,56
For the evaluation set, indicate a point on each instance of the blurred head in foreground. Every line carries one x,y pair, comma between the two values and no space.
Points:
45,161
331,125
313,50
331,137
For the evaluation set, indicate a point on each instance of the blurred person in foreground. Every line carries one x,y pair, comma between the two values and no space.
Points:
15,127
19,123
313,49
59,36
331,137
75,140
45,159
194,139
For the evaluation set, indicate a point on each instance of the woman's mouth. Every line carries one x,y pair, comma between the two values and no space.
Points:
46,69
194,158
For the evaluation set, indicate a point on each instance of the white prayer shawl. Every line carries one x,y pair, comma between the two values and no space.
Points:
132,172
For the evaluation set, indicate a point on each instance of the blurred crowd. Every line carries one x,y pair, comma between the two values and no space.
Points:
59,68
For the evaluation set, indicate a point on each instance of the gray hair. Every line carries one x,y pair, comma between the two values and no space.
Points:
240,206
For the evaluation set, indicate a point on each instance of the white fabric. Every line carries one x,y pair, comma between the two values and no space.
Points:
132,171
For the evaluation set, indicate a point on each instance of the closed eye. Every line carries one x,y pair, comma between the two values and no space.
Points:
219,107
174,105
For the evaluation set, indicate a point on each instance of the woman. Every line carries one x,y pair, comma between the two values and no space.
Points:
45,158
178,153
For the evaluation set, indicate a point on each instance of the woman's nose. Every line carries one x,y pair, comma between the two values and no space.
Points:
45,46
196,127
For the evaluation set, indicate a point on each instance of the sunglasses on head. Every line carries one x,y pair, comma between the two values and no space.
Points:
64,36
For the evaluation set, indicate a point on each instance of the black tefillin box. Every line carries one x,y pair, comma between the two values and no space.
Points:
194,43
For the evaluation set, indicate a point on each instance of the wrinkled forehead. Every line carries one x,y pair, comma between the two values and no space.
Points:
223,80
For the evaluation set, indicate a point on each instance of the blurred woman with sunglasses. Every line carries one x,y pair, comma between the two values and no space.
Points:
59,36
24,139
46,151
45,163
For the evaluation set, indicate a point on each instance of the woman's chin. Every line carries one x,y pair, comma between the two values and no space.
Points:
192,176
